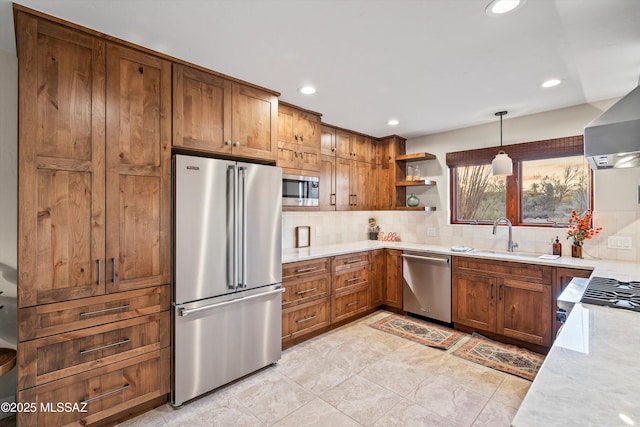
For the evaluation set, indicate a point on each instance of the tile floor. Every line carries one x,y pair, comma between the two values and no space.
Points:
356,376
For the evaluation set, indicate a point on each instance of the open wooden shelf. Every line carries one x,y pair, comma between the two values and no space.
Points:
417,208
415,156
421,182
7,360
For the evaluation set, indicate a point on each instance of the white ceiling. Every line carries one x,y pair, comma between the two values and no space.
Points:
434,65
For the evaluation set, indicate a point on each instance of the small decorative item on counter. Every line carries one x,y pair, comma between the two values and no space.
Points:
580,228
413,201
391,236
374,229
410,173
557,247
416,174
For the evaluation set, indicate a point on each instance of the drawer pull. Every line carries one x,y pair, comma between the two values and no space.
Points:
355,279
352,303
109,393
106,310
91,350
113,270
352,261
305,291
305,270
99,272
306,319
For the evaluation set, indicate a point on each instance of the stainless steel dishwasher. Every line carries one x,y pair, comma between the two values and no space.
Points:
427,285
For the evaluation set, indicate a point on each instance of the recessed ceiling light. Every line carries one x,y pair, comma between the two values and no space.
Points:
501,7
551,83
393,122
307,90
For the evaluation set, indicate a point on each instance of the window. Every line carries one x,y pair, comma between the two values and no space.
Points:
550,179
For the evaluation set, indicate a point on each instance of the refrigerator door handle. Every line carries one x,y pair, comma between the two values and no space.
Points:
232,279
187,311
242,240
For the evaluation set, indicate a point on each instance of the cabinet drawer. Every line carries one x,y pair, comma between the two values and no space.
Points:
350,279
507,269
101,392
50,358
301,269
305,290
349,304
49,319
307,317
343,262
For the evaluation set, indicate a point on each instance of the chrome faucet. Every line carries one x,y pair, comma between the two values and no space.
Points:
511,244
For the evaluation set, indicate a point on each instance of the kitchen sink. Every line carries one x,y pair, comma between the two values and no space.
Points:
511,254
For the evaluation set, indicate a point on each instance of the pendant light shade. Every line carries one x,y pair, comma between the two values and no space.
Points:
502,163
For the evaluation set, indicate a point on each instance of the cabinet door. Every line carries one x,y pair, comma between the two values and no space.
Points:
138,169
344,143
376,285
309,159
288,155
308,129
385,186
344,199
524,311
385,151
358,184
327,141
361,148
286,124
201,110
393,278
61,163
474,300
327,200
254,123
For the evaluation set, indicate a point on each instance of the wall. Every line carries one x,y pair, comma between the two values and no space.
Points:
616,206
8,214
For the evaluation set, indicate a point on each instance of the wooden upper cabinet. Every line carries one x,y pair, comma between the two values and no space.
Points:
253,123
298,139
355,147
61,218
327,190
344,144
138,169
327,141
201,110
211,113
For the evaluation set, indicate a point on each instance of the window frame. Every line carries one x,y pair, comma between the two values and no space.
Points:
534,150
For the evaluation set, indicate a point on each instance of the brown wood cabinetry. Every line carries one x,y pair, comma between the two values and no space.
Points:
327,141
393,278
298,139
350,285
561,278
377,278
355,146
94,206
213,114
353,185
509,299
306,299
327,190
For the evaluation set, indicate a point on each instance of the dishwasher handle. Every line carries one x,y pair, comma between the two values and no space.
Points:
426,258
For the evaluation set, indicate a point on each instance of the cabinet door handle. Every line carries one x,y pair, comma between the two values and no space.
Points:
91,350
352,261
302,154
355,198
306,319
227,142
295,154
333,149
236,144
106,310
491,297
332,202
99,272
306,270
295,135
301,137
500,293
113,270
305,291
352,303
109,393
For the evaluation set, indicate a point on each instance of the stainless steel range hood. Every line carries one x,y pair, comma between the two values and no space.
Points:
613,139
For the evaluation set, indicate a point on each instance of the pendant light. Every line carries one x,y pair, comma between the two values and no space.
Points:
502,163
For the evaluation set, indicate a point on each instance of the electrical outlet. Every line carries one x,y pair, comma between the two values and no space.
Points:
620,242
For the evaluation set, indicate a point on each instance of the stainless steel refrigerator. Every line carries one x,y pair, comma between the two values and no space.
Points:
227,272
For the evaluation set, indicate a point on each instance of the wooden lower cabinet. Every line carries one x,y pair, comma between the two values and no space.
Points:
393,278
349,304
376,284
99,393
509,299
306,318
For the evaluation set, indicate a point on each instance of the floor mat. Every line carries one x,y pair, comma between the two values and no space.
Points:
420,331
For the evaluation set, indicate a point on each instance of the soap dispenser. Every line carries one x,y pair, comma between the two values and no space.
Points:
557,247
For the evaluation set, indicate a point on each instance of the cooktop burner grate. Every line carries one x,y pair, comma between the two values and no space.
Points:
612,293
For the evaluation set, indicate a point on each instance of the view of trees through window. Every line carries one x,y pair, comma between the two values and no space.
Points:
550,189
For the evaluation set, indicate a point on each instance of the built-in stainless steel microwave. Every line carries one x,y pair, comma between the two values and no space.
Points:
300,190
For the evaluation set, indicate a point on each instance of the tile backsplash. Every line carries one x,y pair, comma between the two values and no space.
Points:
432,228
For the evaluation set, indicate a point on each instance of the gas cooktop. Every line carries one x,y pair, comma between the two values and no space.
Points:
612,293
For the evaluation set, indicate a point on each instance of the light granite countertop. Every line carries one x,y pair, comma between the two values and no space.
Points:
590,376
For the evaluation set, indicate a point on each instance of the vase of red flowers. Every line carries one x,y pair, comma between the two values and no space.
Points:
581,229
